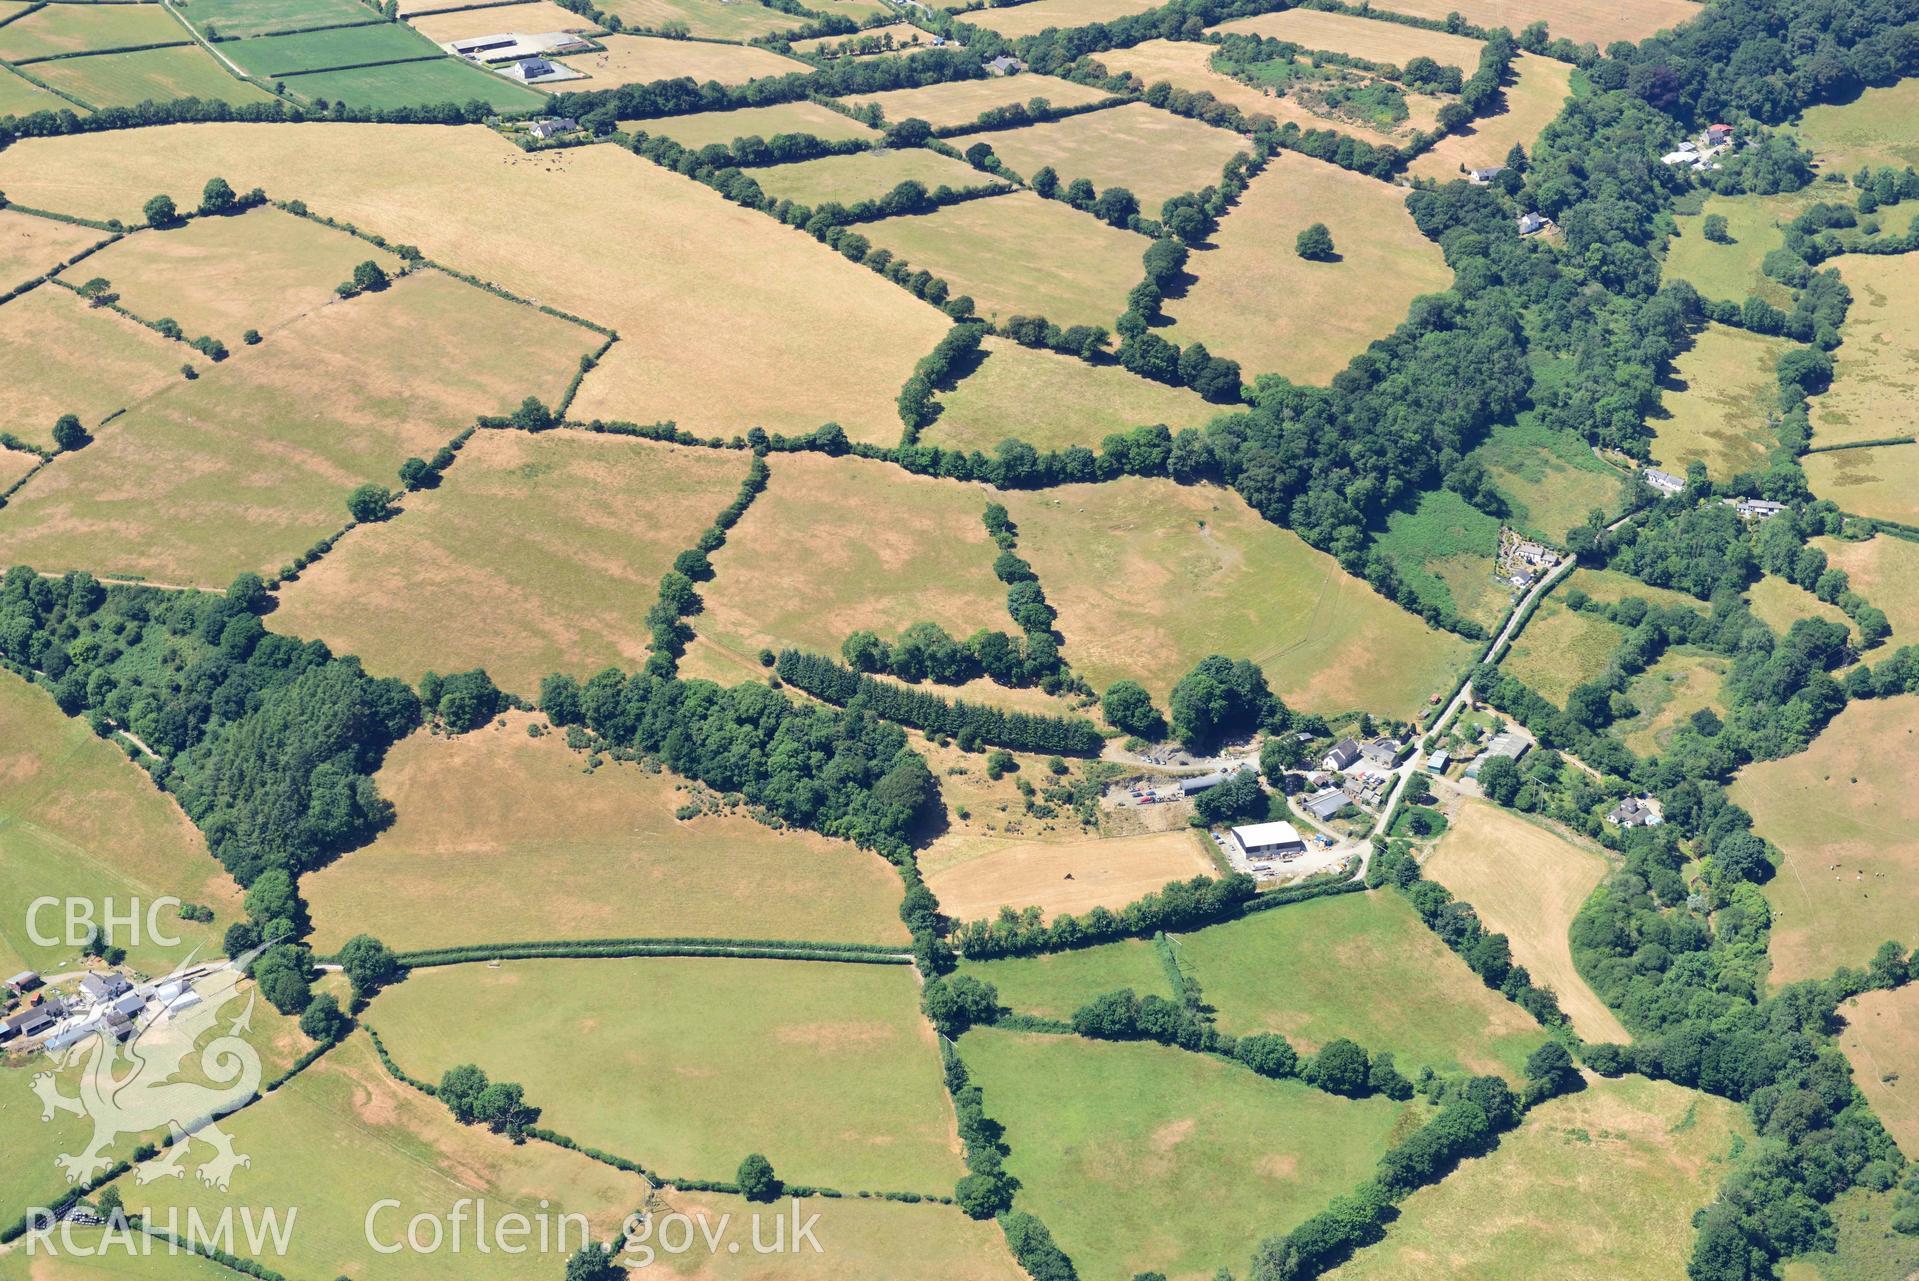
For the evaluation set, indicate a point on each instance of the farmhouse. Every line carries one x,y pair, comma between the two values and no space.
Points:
1005,65
1633,812
553,127
1663,481
1342,755
534,70
1755,508
1718,135
1532,224
1480,177
23,982
1269,840
102,988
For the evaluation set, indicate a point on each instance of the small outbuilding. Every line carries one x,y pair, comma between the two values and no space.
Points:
23,983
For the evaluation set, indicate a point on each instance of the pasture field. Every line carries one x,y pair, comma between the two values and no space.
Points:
986,250
1844,814
464,24
998,398
1669,692
1149,577
260,17
665,1060
810,336
272,56
1885,570
706,127
1360,966
15,463
705,19
974,879
1031,19
79,28
860,1240
96,1257
959,102
1540,88
1609,585
77,817
855,10
60,356
1757,227
159,75
1152,153
1881,482
1875,380
1055,984
640,59
596,520
1560,649
1390,42
1550,478
19,96
1779,604
905,37
866,175
31,246
809,564
1601,1183
345,1123
408,84
1444,551
502,837
1258,302
1140,1156
1597,22
223,276
250,464
1881,1040
1527,882
1874,129
1718,401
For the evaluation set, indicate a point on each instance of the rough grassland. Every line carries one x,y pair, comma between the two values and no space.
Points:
1609,585
60,356
1846,816
1186,64
345,1124
1669,692
1528,883
708,19
1139,1156
159,75
1031,19
19,96
975,879
410,84
258,17
838,544
594,520
1881,1039
31,246
1550,478
1875,129
959,102
502,837
1880,482
905,36
1594,1186
1755,223
859,1240
1258,302
1056,984
1152,153
224,276
1885,570
1443,550
1391,42
640,59
1875,383
1779,604
1561,649
666,1061
1717,401
1052,402
706,127
76,28
1359,966
1597,22
250,464
1539,89
865,175
464,24
77,817
1149,577
1868,1248
1020,255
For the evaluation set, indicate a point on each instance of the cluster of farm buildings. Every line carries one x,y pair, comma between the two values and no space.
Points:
105,1003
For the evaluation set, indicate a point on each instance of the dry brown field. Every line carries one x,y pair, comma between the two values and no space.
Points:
1031,19
1540,88
1885,570
1390,42
1185,64
465,24
1881,1039
865,175
959,102
31,246
974,879
1717,401
1597,22
1875,378
707,127
1152,153
642,59
1882,482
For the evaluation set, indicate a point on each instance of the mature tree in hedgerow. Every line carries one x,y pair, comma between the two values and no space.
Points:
370,502
1128,707
756,1178
68,434
160,211
323,1020
217,197
1315,244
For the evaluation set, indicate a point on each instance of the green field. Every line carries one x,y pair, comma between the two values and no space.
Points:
1669,692
1138,1156
237,18
158,75
1718,401
78,28
1598,1186
270,57
1779,604
1868,1247
1443,550
1560,649
1550,478
60,356
19,96
668,1061
1875,129
1360,966
1055,984
704,128
1609,585
1876,369
409,84
1730,272
866,175
1152,153
89,1254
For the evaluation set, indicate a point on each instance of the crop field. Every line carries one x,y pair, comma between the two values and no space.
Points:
1561,649
563,594
238,18
1874,129
1882,482
1601,1182
60,356
81,28
959,102
531,17
1539,89
1055,984
1031,19
1844,814
807,566
1257,302
1881,1040
985,250
662,1060
866,175
858,1239
250,464
1779,604
974,879
1528,882
1360,966
1375,41
706,127
1152,153
1444,551
1875,380
1149,577
1597,22
223,276
19,96
408,84
703,19
128,79
997,400
1669,692
272,56
1885,570
1550,478
1756,225
1717,402
1139,1156
503,837
639,59
31,246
